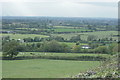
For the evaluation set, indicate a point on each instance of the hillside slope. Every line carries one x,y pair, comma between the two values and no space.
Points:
108,69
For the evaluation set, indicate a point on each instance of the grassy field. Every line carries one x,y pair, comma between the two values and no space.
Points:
65,27
99,34
43,68
60,54
84,35
102,34
69,30
21,36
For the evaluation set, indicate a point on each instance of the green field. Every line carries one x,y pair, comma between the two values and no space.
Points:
65,27
102,34
69,30
61,54
43,68
21,36
84,35
99,34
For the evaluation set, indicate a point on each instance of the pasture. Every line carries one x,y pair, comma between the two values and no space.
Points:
84,35
44,68
70,30
21,36
65,27
60,54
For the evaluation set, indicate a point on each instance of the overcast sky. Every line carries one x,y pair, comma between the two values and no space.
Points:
60,8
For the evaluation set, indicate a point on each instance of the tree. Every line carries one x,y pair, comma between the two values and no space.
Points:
93,45
65,48
52,46
10,49
75,38
77,43
102,49
6,38
29,39
36,39
89,27
76,48
114,48
59,38
91,38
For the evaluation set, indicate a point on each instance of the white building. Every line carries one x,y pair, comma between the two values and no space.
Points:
85,47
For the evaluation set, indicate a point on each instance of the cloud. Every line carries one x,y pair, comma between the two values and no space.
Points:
59,0
60,9
110,4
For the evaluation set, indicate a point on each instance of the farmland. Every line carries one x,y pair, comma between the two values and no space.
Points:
61,54
21,36
47,68
52,47
42,68
69,30
84,35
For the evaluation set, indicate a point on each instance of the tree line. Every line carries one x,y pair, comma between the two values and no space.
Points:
13,47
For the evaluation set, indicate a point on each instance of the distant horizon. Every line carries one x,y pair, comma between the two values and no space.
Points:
61,17
61,9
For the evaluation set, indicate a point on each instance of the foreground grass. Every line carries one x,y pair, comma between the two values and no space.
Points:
43,68
108,69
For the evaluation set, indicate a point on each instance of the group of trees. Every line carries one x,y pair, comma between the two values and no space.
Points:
72,39
46,46
12,48
51,44
98,48
38,39
48,22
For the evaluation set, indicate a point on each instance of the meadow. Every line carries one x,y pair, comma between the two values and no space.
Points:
84,35
47,68
61,54
51,58
69,30
66,27
21,36
44,68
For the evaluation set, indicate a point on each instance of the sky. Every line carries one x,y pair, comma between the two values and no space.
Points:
60,8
